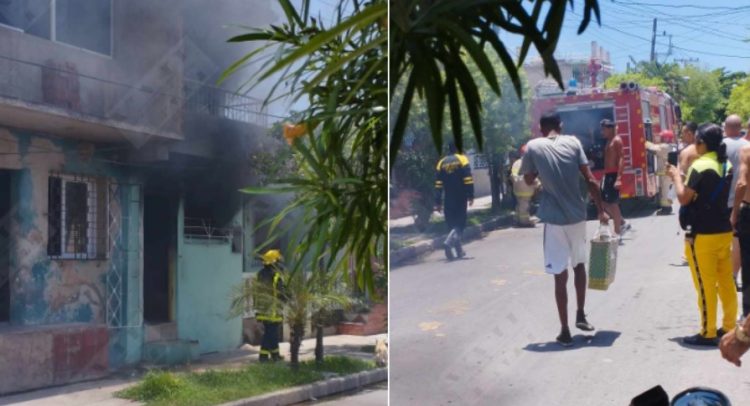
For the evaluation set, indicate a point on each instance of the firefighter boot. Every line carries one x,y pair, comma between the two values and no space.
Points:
448,245
263,356
460,253
275,356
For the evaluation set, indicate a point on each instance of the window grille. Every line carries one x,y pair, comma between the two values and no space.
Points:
77,217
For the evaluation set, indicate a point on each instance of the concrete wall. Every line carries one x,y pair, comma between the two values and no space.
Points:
145,58
46,291
33,358
206,274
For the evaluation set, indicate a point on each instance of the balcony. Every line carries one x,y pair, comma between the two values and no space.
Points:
205,99
54,98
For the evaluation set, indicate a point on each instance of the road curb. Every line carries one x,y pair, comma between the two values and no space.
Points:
315,390
403,256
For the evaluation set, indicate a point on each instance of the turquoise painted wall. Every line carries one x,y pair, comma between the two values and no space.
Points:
206,275
45,291
126,341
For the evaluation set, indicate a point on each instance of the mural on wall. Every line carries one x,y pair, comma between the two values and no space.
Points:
45,290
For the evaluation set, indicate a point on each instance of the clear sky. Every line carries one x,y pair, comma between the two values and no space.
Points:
714,32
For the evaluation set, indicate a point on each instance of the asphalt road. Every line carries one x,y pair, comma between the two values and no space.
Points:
375,395
481,331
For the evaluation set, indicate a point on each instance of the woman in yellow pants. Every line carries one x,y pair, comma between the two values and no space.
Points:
708,239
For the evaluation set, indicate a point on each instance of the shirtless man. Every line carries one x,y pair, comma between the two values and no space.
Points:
734,142
741,223
614,164
688,154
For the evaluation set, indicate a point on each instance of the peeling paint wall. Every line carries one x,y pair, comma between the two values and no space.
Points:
46,291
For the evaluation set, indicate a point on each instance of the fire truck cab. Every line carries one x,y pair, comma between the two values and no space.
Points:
638,114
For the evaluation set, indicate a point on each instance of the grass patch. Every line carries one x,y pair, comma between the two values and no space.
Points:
214,387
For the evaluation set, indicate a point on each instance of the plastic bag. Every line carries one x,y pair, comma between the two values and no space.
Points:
603,258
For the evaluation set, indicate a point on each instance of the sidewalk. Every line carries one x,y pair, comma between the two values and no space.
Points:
408,246
481,203
101,392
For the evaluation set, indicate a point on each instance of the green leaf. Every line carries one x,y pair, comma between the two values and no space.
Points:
290,11
399,127
476,52
363,18
253,36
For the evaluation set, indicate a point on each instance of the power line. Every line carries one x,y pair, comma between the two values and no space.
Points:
677,47
682,6
679,20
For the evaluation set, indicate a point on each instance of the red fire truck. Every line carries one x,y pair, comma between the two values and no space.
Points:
638,112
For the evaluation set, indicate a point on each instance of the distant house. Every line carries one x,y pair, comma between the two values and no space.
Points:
121,228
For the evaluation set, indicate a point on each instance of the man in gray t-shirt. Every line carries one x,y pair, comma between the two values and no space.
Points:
557,161
560,163
734,141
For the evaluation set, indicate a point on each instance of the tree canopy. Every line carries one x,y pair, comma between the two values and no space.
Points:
739,100
428,39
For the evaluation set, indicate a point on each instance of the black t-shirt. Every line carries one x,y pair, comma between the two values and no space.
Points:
709,209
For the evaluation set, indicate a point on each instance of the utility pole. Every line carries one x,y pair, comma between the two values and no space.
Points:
653,43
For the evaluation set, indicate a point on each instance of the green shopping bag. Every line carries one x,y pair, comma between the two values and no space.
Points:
603,259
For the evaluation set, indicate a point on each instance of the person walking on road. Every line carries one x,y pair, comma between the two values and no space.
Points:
454,177
523,192
560,163
614,164
268,304
708,233
661,147
734,141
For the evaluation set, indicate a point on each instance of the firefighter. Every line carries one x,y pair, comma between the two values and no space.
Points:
454,177
523,192
661,147
269,305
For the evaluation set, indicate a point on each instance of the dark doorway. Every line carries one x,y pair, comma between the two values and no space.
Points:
159,253
5,214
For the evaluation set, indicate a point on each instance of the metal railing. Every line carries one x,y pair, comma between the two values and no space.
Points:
215,101
157,102
59,85
200,229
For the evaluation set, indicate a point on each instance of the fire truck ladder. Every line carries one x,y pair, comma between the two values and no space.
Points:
622,118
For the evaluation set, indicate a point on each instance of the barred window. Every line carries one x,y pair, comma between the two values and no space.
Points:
77,217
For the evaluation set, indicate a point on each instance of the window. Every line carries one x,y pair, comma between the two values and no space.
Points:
30,16
77,217
82,23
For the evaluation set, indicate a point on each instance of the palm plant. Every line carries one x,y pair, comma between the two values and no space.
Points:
429,37
340,188
307,296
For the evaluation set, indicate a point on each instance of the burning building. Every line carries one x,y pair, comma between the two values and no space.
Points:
121,229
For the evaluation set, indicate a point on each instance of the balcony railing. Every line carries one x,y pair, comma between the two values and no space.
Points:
157,102
59,85
203,98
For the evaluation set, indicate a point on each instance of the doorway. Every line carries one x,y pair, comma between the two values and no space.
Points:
159,253
5,215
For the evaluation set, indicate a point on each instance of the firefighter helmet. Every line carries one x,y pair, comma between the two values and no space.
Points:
667,136
271,257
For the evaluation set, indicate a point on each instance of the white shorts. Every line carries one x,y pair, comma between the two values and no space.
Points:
564,246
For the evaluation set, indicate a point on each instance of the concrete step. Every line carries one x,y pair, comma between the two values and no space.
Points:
171,352
160,332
